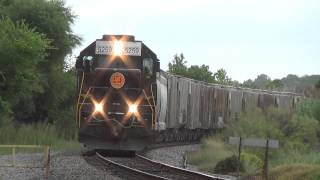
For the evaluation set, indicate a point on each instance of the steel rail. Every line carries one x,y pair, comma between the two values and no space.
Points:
131,170
164,168
195,174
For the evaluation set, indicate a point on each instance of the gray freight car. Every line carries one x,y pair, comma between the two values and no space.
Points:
190,106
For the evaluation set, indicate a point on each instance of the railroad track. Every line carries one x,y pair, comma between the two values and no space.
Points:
140,167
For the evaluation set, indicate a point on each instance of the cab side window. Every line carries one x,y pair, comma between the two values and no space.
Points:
148,66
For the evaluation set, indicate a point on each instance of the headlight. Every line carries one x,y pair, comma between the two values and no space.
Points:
118,48
98,107
133,108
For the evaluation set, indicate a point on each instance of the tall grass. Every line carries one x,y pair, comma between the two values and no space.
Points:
296,171
35,134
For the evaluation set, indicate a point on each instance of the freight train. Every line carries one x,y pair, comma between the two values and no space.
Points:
125,102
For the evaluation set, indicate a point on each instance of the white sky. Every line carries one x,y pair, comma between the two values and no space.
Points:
245,37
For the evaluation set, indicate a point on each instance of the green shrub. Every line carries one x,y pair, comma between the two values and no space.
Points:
254,124
309,107
228,165
279,117
252,164
303,129
212,151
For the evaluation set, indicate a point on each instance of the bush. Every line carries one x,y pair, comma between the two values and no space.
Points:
212,151
309,107
251,163
254,124
228,165
303,129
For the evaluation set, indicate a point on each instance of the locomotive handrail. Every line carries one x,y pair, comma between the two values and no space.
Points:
155,112
152,121
78,109
81,106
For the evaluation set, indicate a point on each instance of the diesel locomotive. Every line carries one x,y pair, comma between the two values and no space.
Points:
117,93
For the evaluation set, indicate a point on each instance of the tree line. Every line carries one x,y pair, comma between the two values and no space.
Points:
308,85
178,66
35,38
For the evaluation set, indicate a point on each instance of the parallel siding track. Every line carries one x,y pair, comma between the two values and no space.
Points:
140,167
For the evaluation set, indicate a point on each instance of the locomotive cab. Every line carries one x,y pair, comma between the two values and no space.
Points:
116,78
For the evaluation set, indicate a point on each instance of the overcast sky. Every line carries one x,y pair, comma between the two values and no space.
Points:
246,38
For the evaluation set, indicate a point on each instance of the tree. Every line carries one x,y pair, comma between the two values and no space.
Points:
276,84
221,77
201,73
248,83
21,51
178,65
262,81
53,19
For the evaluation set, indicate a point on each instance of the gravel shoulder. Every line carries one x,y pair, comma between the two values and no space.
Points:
70,165
64,165
175,156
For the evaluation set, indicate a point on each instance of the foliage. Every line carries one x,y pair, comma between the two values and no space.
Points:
51,18
213,150
178,65
39,87
309,107
275,84
201,73
296,172
254,124
262,80
5,112
297,132
221,77
251,163
228,165
303,129
21,51
291,83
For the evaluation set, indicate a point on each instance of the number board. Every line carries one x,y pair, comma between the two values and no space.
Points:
128,48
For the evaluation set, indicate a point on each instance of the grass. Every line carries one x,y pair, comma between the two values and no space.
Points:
212,151
296,171
35,134
293,156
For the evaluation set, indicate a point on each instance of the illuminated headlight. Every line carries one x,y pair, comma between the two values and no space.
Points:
133,108
118,48
98,107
